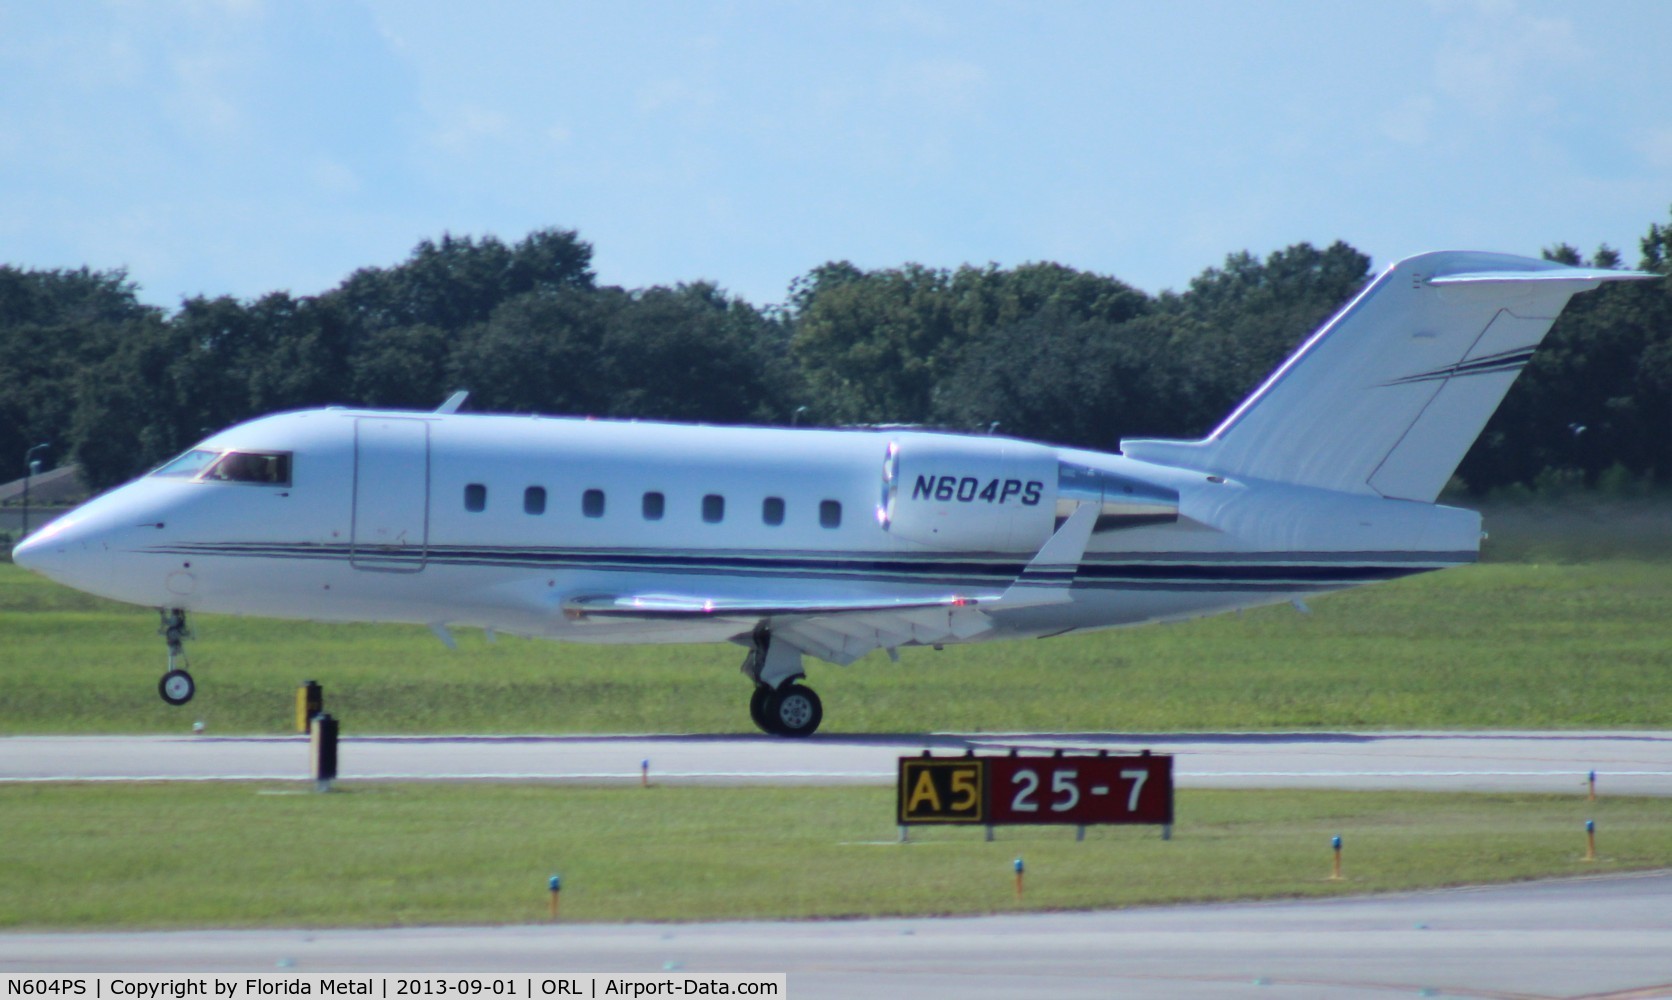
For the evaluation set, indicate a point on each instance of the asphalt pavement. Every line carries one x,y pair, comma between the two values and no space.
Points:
1595,938
1626,763
1598,937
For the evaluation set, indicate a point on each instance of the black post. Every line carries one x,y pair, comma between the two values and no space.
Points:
324,746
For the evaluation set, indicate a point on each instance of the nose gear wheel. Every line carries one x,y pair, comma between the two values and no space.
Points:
177,686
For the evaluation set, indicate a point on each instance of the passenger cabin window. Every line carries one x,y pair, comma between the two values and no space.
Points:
476,498
772,510
534,500
655,505
713,508
592,503
263,468
830,513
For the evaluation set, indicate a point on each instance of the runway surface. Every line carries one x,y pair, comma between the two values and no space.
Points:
1627,763
1604,937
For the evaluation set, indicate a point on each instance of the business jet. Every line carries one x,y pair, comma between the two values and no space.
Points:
831,544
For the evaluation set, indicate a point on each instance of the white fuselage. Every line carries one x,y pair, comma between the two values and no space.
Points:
504,521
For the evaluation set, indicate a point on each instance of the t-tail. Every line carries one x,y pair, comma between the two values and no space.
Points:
1387,396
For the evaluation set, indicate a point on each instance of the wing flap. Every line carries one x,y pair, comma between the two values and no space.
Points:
654,606
844,629
845,638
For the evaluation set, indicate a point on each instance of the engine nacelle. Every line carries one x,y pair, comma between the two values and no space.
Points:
979,494
998,495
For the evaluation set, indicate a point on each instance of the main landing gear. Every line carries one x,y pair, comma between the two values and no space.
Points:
791,710
177,686
779,705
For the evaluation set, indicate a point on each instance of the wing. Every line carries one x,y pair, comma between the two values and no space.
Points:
843,630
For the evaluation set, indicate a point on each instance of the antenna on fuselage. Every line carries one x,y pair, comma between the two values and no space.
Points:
454,401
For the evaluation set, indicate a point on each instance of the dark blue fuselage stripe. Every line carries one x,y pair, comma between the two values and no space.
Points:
1163,574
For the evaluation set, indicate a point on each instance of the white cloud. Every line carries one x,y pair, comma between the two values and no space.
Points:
938,85
1498,61
1656,146
676,96
204,98
332,176
467,125
1410,122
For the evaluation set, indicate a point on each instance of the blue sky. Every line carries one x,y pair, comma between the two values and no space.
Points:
244,146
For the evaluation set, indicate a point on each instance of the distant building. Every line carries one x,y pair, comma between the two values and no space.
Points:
50,493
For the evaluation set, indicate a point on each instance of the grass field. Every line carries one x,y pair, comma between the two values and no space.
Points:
237,855
1498,645
1565,626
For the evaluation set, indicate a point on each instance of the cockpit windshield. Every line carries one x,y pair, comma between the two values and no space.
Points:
187,466
269,468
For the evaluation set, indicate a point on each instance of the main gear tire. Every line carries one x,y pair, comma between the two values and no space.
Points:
793,710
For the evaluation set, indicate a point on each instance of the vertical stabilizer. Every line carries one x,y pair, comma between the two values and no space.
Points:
1387,397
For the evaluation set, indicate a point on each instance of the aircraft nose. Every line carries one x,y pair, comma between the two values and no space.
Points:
27,554
104,546
45,552
73,550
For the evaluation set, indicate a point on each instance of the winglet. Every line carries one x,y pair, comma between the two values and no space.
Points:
454,401
1048,577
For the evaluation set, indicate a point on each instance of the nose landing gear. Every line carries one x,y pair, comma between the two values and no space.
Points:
177,686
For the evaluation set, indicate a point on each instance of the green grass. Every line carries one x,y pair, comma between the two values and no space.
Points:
1498,645
1568,624
1577,528
239,855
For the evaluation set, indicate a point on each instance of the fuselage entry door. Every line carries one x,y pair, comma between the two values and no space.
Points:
391,494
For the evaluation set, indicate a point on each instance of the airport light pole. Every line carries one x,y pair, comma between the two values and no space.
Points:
31,465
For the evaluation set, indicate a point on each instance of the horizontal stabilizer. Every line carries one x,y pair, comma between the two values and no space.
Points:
1563,274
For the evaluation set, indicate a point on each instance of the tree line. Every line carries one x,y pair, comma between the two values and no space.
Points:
1041,350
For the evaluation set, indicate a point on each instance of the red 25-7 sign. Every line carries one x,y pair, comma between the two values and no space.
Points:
1082,790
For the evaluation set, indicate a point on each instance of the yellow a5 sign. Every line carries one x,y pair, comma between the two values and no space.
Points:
1080,789
948,790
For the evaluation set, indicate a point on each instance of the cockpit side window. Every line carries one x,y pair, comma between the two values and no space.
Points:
263,468
266,468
